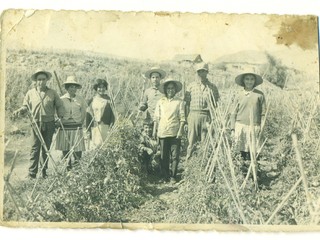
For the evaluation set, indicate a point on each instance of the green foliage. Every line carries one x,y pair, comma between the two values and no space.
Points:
275,72
110,186
106,185
212,202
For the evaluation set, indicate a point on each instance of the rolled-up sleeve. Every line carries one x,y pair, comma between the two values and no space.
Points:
26,100
59,105
144,103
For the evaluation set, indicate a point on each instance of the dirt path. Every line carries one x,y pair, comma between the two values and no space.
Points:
17,152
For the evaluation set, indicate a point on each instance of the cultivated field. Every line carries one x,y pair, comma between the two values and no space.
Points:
110,186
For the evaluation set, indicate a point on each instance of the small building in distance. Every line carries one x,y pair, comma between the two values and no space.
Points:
187,58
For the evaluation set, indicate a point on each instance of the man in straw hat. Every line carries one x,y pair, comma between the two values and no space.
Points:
70,138
152,94
41,103
201,97
247,113
169,121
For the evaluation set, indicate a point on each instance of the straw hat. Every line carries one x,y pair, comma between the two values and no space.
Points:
202,66
170,80
72,80
239,79
155,70
38,71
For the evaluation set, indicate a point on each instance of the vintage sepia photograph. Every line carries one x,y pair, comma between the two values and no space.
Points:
160,120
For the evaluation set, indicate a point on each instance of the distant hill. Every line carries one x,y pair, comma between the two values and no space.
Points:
251,57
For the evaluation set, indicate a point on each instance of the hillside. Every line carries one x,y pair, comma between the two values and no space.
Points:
253,57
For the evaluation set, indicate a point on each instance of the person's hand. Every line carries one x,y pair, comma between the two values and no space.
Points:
149,151
179,135
232,134
154,135
16,114
185,128
87,135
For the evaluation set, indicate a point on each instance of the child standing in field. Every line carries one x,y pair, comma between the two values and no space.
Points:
148,147
70,136
248,114
100,115
169,122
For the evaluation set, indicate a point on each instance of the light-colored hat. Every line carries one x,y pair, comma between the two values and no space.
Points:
38,71
155,70
202,66
239,79
72,80
170,80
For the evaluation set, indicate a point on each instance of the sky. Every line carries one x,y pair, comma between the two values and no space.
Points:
159,36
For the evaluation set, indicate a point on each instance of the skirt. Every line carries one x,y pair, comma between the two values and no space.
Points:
245,138
70,138
99,134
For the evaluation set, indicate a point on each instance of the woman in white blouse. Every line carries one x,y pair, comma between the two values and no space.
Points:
100,113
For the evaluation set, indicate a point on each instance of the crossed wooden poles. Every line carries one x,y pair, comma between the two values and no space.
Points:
221,143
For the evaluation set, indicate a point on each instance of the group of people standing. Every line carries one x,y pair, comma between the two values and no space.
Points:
74,114
167,117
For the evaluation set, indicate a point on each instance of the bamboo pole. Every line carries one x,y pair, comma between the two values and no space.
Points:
231,167
302,173
252,148
231,193
7,178
7,189
284,200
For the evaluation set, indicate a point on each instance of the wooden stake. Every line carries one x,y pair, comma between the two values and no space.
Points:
286,197
302,173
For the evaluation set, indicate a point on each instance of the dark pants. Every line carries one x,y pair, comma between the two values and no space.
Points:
77,156
146,159
46,130
197,129
170,152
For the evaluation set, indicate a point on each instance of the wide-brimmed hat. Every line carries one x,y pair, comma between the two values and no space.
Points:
38,71
72,80
202,66
239,79
170,80
155,70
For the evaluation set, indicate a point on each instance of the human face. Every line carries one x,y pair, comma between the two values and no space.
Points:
72,89
202,74
41,81
171,90
101,89
148,130
249,81
155,79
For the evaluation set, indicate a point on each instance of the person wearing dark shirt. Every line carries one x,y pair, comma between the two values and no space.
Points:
100,115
